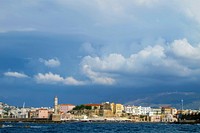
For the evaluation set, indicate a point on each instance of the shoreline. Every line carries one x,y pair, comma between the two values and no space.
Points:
48,121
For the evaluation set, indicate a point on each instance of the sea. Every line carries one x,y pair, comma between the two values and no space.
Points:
81,127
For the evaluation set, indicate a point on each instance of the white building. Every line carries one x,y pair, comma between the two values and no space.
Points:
19,113
156,111
138,110
128,109
131,109
145,110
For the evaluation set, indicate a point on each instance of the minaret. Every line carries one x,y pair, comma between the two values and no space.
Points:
56,105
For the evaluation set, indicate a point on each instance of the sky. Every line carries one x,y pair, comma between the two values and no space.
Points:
94,51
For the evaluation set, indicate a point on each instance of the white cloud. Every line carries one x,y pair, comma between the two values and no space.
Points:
182,48
118,63
51,62
15,74
50,78
122,21
97,77
73,81
111,62
152,61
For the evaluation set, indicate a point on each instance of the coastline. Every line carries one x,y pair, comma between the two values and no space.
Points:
46,121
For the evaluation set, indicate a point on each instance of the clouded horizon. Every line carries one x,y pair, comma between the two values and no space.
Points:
97,51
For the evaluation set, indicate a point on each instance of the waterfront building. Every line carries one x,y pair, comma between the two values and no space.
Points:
118,109
131,110
106,109
138,110
156,111
64,108
168,110
140,118
168,118
32,114
155,118
24,112
111,109
144,110
42,113
18,112
188,111
128,109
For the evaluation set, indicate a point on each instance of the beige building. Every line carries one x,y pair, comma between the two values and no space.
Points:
140,118
168,110
118,109
155,118
32,114
106,109
42,113
111,109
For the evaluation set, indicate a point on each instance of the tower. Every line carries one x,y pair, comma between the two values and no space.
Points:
56,116
56,105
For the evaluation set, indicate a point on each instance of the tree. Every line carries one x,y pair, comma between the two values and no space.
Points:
82,107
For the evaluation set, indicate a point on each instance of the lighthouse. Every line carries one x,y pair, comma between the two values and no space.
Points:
56,105
56,116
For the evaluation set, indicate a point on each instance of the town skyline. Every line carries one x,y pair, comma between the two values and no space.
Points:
143,52
102,112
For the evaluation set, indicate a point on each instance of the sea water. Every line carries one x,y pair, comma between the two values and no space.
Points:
79,127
